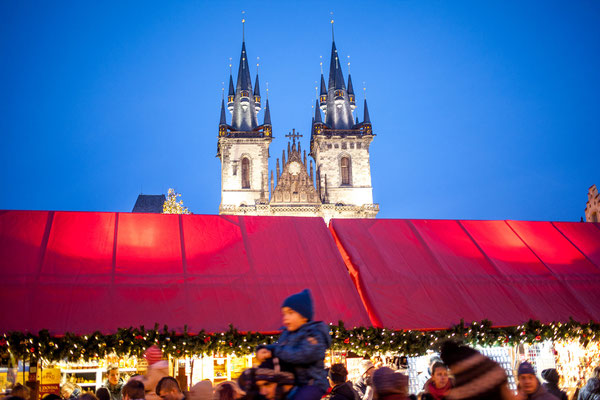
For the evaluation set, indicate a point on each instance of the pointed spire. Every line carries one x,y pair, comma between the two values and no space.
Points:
223,120
278,170
283,157
336,79
311,173
243,81
317,119
272,183
304,159
231,87
367,118
350,87
231,93
267,114
323,87
256,88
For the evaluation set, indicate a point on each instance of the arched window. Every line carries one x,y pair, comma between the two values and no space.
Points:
245,173
345,170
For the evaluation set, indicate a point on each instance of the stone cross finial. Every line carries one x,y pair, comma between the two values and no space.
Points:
293,135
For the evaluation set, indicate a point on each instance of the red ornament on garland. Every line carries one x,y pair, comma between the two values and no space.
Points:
538,338
347,340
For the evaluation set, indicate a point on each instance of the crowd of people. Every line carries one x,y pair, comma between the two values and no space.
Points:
293,368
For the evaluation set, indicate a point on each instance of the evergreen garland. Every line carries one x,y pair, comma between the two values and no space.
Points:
133,341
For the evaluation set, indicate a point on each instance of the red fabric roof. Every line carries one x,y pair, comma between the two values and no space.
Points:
428,274
87,271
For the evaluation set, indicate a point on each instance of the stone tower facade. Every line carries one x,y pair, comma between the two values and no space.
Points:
592,208
243,145
340,145
339,187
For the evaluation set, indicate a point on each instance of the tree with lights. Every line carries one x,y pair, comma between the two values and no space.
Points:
172,206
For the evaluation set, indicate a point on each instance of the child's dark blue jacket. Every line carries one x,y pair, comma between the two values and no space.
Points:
306,358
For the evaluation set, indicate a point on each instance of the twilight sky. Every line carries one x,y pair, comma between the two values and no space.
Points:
482,110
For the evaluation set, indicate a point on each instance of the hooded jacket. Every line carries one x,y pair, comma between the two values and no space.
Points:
591,390
307,359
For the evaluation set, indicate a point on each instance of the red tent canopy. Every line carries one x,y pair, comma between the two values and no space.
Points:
86,271
428,274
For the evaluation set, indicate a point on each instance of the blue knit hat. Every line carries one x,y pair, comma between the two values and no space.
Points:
301,303
525,368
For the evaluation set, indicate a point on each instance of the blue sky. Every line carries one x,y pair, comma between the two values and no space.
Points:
482,110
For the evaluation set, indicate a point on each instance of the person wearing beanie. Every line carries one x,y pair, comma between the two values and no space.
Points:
302,346
551,377
341,388
364,383
529,386
389,385
157,369
476,377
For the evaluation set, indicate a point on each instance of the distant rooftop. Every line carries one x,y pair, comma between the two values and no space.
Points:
149,203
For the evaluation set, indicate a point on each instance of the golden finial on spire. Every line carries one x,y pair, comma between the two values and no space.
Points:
348,64
243,27
365,90
257,64
316,89
332,37
267,83
230,65
321,63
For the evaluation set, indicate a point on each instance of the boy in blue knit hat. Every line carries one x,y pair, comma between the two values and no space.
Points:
302,346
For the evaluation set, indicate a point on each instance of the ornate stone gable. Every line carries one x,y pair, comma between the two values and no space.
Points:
295,186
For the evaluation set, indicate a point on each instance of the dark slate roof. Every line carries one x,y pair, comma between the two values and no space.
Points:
267,113
149,203
323,88
231,87
317,118
350,88
367,118
256,88
243,81
336,79
223,120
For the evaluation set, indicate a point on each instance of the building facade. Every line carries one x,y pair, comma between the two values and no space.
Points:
339,184
592,207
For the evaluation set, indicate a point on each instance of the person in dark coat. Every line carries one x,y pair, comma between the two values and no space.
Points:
591,390
341,388
302,345
551,377
529,385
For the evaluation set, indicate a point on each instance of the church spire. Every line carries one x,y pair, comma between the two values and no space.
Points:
223,120
351,96
267,114
323,94
317,119
256,93
244,106
231,94
367,118
339,111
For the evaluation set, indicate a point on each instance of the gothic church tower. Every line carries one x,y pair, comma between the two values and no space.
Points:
243,145
340,146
